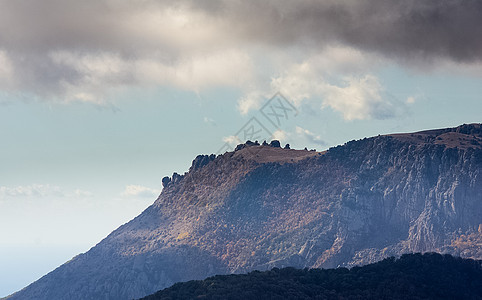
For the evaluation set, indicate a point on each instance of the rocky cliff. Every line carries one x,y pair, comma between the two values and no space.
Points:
262,207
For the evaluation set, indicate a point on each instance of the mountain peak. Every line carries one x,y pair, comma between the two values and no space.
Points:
264,206
267,154
464,137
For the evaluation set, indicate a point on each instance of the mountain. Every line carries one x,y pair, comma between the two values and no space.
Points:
262,206
412,276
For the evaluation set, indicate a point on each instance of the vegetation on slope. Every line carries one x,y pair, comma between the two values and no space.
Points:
412,276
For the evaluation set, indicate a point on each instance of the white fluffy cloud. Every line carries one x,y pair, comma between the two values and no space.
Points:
337,78
251,100
138,191
51,51
99,74
41,190
359,98
280,135
35,190
232,139
309,136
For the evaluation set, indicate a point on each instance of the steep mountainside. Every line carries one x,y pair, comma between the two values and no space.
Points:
262,207
413,276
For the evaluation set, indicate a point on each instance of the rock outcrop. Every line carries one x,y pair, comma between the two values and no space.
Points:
262,207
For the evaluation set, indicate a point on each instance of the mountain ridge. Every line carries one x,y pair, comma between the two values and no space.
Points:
262,207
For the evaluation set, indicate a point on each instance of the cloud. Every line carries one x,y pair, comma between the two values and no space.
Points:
251,101
310,136
83,194
232,139
280,135
35,190
411,100
409,30
65,50
209,121
137,191
6,69
357,96
361,98
41,191
55,54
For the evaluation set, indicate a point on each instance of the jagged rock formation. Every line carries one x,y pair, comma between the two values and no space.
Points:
262,207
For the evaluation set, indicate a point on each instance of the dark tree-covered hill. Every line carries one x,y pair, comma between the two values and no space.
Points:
412,276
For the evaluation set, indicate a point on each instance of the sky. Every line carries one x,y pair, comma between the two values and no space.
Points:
101,99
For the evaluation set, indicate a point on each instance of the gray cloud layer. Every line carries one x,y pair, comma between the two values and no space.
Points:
409,28
450,28
50,46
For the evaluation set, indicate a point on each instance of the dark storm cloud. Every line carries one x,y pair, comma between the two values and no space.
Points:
409,28
33,33
406,29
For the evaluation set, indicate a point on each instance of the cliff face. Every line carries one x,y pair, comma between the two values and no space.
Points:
262,207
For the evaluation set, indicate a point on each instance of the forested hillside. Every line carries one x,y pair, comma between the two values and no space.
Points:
413,276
